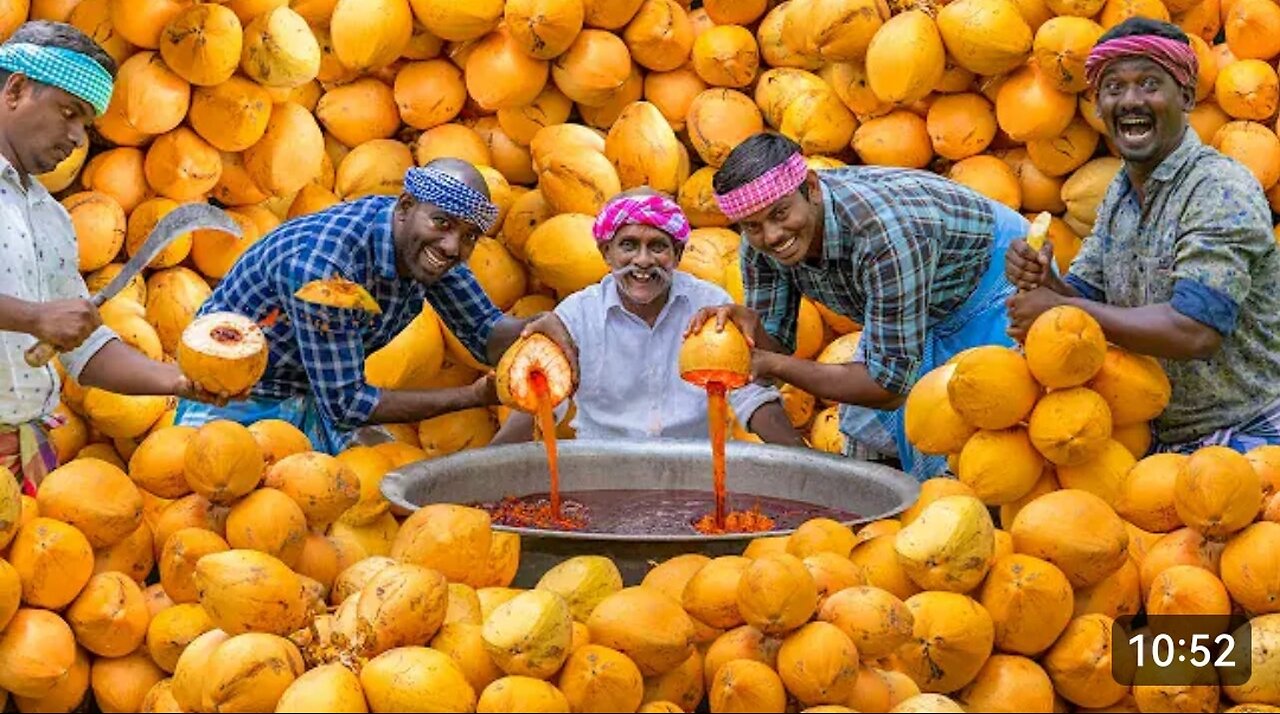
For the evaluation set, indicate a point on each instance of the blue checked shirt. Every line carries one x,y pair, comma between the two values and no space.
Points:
901,249
321,350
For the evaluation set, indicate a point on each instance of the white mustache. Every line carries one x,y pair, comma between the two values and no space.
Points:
662,276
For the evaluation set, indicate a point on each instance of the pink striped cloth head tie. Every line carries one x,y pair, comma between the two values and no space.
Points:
648,210
1176,58
764,190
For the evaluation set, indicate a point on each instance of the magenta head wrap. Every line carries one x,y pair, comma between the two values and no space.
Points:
764,190
1176,58
643,209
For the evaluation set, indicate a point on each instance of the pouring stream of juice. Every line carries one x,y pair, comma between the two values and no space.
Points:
718,415
547,425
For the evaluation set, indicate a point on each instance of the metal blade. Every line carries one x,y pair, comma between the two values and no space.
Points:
180,221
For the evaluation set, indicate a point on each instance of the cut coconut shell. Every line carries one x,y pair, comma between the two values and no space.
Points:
340,293
529,360
223,352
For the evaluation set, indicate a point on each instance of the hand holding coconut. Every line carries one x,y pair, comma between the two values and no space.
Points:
549,326
720,355
486,390
763,349
764,352
534,369
185,388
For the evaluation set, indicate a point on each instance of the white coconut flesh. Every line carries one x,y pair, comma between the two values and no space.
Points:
225,335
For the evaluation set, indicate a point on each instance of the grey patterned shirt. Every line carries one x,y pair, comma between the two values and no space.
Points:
1203,242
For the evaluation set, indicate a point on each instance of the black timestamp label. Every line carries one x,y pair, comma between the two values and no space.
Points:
1181,650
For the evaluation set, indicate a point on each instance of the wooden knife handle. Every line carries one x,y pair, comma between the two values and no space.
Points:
40,353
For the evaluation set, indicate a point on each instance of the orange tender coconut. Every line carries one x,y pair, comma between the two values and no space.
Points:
529,360
709,356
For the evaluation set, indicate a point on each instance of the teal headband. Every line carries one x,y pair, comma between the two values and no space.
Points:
68,70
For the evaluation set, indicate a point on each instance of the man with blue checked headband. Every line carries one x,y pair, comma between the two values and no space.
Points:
403,250
54,80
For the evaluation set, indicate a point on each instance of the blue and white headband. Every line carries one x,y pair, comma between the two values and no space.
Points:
75,73
451,195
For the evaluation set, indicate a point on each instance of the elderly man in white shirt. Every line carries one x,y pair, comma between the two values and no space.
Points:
53,81
628,329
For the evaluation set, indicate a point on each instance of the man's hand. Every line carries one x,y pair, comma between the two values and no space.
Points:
485,390
763,364
1025,307
187,389
1025,268
65,324
746,319
549,325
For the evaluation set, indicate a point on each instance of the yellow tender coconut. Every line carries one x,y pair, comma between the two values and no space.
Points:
1070,426
1065,347
992,387
932,425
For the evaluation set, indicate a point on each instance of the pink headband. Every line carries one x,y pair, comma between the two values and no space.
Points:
657,211
762,191
1177,58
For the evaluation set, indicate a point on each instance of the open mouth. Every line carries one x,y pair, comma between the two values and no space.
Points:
783,249
1135,128
643,277
434,261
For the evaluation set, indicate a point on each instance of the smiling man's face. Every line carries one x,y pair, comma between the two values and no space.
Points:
430,242
787,228
1144,109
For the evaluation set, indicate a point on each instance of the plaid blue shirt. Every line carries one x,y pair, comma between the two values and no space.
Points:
901,248
321,350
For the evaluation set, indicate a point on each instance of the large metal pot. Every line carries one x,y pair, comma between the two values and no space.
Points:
484,475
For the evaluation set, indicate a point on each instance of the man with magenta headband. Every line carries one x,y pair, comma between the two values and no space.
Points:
1182,264
54,80
628,329
914,257
403,250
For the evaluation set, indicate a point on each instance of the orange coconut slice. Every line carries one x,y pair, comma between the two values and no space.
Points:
223,352
708,357
340,293
529,362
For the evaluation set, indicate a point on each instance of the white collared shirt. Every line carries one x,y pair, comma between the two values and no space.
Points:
39,262
629,381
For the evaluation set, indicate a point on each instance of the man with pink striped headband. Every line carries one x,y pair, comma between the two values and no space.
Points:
912,256
628,329
1182,265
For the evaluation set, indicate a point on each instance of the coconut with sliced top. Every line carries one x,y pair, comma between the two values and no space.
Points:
223,352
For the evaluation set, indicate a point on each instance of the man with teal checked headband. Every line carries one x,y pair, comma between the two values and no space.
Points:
54,80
